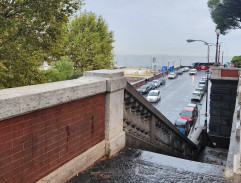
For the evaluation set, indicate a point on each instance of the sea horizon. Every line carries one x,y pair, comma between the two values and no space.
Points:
146,61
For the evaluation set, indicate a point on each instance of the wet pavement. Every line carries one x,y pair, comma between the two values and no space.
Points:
130,166
176,94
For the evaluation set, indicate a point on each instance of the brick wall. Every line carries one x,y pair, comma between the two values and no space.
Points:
35,144
230,73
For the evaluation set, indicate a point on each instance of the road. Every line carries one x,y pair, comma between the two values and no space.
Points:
176,94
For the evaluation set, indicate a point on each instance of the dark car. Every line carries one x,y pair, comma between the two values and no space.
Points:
183,125
178,72
144,89
152,85
162,80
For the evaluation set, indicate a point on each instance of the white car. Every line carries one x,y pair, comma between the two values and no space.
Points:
196,95
186,68
172,75
154,96
193,71
156,82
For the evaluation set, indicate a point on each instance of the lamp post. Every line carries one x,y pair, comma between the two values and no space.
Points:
208,44
219,45
216,57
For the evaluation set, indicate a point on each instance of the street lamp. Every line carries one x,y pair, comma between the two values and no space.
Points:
206,43
216,57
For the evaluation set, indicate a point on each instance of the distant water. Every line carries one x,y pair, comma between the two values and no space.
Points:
145,61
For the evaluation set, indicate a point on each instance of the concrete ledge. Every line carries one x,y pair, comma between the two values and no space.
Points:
115,79
76,165
104,73
21,100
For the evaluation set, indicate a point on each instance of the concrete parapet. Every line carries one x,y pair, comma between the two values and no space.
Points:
221,73
22,100
91,106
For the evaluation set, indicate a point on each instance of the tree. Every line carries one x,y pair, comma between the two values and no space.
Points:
62,69
226,14
31,31
90,42
236,60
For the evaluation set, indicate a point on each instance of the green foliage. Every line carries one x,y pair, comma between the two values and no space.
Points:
236,60
226,14
90,43
60,70
31,31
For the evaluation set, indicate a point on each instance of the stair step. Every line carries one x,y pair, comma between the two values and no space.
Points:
134,165
187,165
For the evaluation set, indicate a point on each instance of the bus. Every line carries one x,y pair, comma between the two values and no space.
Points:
202,65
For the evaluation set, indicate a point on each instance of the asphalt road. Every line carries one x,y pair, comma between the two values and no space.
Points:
176,94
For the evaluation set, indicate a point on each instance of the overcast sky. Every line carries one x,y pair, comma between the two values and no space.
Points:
150,27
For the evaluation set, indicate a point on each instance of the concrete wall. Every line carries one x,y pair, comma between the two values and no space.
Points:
50,132
222,103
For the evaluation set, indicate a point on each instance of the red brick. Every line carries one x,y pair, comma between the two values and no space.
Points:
17,162
18,133
18,155
5,161
5,130
28,144
18,141
6,138
4,178
6,145
17,126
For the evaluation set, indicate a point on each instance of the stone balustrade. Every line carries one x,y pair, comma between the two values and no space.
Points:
143,123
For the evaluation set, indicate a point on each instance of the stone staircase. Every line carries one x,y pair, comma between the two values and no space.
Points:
133,165
146,128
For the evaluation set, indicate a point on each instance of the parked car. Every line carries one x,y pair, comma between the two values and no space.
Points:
202,82
144,89
200,90
186,69
192,71
178,72
193,106
196,95
204,78
154,96
183,125
152,85
162,80
156,82
203,86
172,75
190,114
